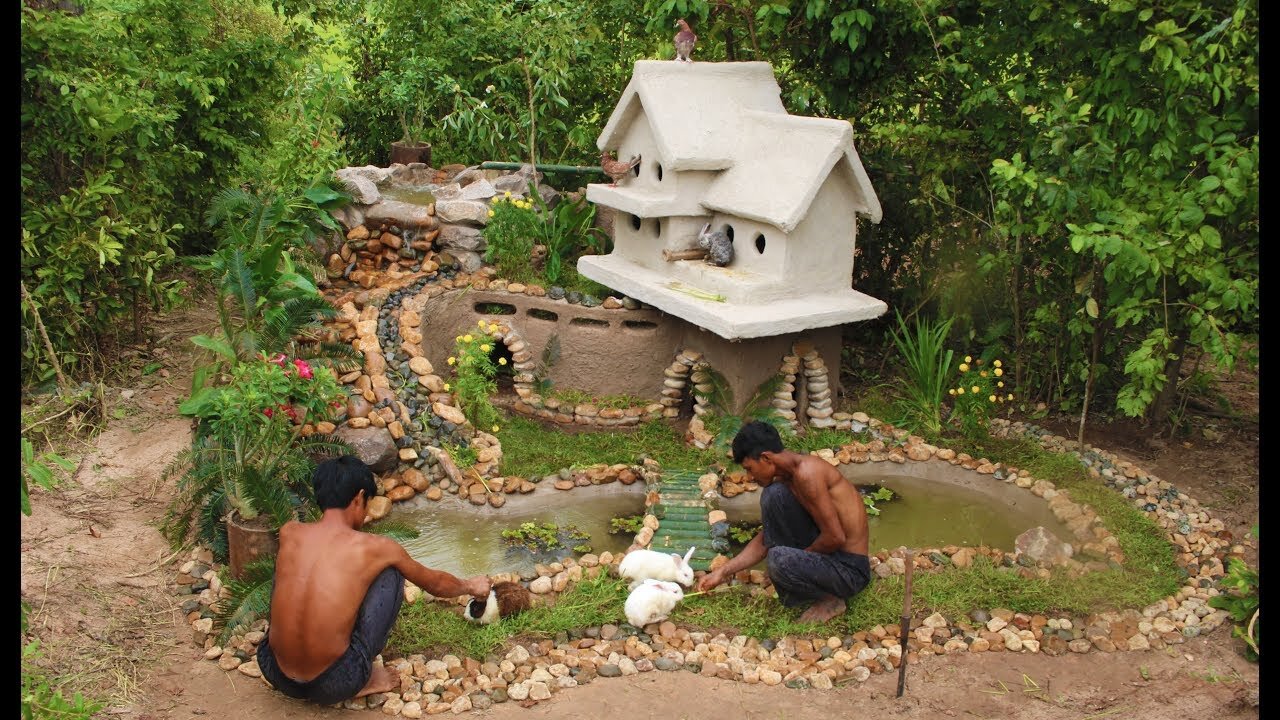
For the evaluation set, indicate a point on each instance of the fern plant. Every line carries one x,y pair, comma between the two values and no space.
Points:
728,421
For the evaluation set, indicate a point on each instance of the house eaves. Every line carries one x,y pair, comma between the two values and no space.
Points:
694,110
781,163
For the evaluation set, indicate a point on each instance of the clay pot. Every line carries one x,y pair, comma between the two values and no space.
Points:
248,540
405,153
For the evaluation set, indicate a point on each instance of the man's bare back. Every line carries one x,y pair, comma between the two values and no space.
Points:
811,472
325,572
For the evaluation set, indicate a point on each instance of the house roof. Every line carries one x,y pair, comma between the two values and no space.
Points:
790,158
691,133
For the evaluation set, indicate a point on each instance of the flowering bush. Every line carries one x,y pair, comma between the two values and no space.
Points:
473,376
514,228
249,455
980,390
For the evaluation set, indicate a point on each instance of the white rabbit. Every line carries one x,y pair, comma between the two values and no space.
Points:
652,601
653,565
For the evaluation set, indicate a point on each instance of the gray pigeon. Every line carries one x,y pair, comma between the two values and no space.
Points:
717,244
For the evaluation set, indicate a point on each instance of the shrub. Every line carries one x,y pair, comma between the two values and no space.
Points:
473,372
980,390
513,229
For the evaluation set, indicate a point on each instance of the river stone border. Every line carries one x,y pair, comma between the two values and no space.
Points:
533,671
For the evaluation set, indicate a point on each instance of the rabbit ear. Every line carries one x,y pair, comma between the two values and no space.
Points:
689,553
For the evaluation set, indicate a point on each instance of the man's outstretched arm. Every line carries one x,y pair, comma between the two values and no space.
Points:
436,582
752,554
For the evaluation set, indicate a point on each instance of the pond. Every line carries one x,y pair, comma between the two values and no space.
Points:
410,194
466,539
937,504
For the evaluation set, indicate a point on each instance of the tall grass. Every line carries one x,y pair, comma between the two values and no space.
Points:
926,367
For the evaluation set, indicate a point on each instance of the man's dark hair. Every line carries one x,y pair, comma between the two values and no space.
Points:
339,480
754,438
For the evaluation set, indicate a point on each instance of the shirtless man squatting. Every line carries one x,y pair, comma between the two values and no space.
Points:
814,533
337,593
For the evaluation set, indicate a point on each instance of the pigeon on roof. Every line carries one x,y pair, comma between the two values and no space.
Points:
616,169
684,40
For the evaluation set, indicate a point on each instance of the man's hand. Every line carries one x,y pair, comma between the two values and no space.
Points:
710,580
478,586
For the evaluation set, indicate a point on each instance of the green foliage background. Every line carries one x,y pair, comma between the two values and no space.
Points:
1055,177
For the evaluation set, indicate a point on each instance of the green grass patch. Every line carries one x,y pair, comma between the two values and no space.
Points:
530,449
435,627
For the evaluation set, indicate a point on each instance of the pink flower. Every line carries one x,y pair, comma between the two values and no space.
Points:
268,412
288,410
278,359
304,370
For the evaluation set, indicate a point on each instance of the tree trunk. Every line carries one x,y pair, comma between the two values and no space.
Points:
1159,411
1093,358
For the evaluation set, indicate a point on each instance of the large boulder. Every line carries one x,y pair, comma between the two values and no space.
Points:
362,189
460,237
1042,547
374,446
470,212
402,214
480,189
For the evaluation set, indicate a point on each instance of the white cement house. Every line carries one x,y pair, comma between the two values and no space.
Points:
716,145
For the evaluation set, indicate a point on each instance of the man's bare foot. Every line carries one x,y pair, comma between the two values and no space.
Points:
823,610
381,680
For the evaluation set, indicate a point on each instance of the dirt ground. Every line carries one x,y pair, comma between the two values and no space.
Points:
96,574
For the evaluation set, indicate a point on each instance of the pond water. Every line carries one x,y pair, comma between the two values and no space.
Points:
937,504
466,539
412,195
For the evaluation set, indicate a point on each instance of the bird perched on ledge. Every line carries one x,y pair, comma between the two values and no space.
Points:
617,169
684,40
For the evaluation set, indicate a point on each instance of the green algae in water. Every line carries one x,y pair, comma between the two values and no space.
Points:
466,540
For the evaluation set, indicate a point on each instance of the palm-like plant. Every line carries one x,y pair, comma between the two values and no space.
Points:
758,407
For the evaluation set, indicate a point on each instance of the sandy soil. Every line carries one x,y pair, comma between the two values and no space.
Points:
95,572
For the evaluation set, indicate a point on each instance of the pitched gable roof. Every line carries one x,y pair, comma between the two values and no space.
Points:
789,160
691,133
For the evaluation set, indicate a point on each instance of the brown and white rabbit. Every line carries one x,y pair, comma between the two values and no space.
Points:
505,598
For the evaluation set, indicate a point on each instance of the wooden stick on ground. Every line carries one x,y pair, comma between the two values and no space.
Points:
906,622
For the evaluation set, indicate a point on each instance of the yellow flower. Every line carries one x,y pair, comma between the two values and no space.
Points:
964,368
493,327
996,363
458,339
446,387
490,213
485,347
1010,396
983,373
991,398
952,391
502,361
506,194
480,323
975,388
495,428
968,358
467,338
495,200
1000,384
999,372
452,360
959,391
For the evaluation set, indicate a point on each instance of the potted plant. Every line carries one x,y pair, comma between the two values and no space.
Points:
406,95
248,471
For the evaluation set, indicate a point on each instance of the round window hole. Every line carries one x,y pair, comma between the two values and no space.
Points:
728,230
760,243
